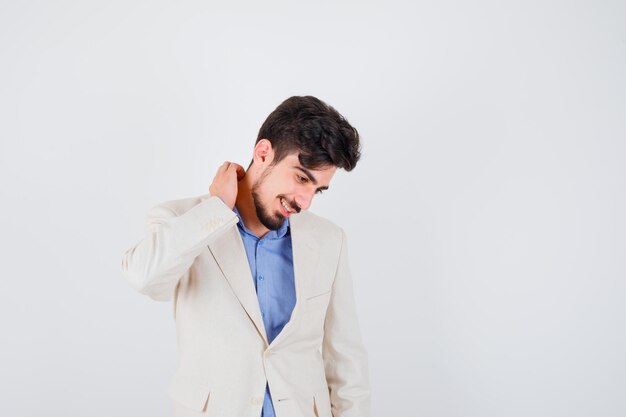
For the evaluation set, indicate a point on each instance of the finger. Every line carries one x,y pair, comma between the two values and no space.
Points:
233,167
238,170
223,167
237,167
241,172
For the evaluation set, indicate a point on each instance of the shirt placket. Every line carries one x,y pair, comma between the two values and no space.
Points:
262,283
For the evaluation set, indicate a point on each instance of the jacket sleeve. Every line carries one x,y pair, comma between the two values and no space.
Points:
345,359
171,243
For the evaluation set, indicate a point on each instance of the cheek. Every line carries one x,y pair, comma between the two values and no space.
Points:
277,185
285,188
265,194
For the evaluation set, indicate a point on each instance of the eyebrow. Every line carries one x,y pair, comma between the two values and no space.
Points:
310,176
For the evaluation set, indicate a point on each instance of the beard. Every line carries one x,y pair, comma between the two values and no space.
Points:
267,219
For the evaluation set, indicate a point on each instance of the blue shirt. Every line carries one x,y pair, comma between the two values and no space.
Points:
271,264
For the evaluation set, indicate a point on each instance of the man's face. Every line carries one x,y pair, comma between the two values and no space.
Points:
287,188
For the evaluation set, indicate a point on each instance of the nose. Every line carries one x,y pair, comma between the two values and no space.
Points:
304,200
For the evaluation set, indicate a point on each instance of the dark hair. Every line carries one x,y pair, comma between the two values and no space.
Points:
321,136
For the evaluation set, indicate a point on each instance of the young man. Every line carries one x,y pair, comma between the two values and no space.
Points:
262,292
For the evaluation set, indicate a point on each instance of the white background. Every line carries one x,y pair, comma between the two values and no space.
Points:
485,219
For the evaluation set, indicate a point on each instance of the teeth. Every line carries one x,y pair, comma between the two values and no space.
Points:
284,203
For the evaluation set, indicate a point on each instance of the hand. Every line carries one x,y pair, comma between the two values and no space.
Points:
224,184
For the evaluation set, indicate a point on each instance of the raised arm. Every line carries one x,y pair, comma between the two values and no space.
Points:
171,244
174,240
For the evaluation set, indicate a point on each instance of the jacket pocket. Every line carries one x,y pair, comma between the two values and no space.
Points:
189,393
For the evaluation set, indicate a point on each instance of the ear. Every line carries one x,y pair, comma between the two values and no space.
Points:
263,152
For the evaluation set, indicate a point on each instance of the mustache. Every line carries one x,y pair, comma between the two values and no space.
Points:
291,204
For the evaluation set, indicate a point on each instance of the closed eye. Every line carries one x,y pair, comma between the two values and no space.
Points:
304,180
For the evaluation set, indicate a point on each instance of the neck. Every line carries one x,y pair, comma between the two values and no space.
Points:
246,209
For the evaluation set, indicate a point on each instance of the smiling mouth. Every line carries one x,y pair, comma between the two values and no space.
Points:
287,208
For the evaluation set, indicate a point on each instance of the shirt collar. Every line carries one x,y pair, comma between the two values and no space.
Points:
272,234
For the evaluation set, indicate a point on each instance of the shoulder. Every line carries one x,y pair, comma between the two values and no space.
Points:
322,229
182,205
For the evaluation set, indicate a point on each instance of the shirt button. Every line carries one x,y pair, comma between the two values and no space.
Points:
261,278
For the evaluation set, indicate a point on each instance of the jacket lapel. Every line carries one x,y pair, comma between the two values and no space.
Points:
230,254
305,257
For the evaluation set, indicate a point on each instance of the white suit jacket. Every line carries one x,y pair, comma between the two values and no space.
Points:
193,254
